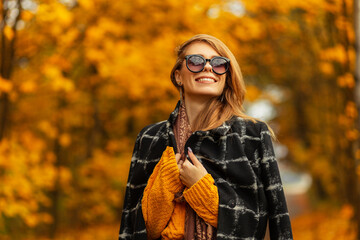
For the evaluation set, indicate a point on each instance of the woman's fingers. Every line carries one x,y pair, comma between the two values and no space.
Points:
177,157
179,164
190,173
193,158
178,160
186,164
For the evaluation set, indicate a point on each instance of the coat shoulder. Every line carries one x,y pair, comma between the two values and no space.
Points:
248,127
155,137
154,129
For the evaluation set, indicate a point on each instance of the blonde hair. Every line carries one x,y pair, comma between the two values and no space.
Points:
230,103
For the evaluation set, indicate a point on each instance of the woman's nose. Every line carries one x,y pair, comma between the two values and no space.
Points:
208,67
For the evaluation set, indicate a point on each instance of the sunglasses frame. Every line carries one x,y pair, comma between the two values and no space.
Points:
207,60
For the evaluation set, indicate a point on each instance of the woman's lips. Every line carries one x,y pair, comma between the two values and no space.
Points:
205,80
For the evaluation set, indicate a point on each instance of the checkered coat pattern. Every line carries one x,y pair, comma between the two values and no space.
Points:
240,157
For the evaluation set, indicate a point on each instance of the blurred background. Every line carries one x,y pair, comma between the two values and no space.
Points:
80,78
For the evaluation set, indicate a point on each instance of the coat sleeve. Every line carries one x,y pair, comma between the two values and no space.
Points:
132,221
279,220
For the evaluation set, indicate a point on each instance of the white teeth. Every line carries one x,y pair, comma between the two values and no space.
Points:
205,80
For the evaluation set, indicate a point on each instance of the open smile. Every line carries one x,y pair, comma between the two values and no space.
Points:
206,80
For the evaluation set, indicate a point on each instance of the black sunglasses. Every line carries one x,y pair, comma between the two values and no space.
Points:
196,63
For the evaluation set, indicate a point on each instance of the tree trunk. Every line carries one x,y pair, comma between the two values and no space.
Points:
4,53
7,53
357,47
357,98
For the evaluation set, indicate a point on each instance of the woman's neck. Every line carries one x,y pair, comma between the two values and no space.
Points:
193,108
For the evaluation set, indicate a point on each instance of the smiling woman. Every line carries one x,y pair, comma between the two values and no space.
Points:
198,80
209,171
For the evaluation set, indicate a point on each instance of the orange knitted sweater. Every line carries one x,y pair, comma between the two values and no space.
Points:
164,217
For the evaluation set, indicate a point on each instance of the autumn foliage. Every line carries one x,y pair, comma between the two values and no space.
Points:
79,79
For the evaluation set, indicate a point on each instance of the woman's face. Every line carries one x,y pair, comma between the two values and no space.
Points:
202,85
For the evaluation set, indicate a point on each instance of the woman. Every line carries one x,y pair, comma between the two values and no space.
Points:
224,182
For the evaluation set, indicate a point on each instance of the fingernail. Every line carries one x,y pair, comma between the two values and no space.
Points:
189,149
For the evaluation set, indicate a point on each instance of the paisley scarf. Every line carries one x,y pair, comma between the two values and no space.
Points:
195,227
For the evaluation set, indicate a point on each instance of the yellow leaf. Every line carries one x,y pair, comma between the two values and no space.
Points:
87,4
58,81
252,93
2,203
357,155
5,85
54,12
28,86
50,157
346,80
31,220
351,110
352,135
46,218
15,209
9,32
65,139
326,68
48,129
344,121
347,211
26,15
64,176
63,84
4,154
337,54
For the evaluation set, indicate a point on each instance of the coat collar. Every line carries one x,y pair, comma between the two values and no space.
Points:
174,114
222,130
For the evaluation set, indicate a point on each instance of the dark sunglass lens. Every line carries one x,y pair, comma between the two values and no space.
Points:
195,63
219,65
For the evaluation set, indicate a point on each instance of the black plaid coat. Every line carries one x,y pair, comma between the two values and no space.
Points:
239,155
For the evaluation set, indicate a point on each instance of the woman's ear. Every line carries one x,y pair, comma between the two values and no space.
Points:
178,77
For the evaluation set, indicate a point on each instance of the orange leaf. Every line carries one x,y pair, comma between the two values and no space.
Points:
9,32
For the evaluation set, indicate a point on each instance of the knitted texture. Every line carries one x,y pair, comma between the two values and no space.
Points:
157,202
176,226
163,215
203,197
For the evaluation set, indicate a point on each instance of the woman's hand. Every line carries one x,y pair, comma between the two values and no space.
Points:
190,173
178,161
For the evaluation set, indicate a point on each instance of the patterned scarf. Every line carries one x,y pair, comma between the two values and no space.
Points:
195,227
